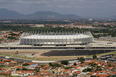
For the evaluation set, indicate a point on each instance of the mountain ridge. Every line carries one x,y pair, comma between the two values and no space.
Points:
9,14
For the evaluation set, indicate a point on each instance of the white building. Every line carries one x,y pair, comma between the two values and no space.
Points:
57,39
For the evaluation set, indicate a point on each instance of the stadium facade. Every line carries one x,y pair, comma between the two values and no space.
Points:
57,38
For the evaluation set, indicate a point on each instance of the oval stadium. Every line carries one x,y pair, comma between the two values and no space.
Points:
57,39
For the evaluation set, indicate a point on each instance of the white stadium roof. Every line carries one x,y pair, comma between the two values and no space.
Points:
79,36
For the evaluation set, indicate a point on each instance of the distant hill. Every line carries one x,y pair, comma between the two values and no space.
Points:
8,14
51,15
113,17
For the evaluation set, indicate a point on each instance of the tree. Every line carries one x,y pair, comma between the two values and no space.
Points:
65,62
24,68
12,38
94,56
81,59
87,70
50,64
98,68
17,69
68,67
26,64
92,64
54,65
2,65
74,64
37,70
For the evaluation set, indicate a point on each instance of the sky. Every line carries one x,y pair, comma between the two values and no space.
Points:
83,8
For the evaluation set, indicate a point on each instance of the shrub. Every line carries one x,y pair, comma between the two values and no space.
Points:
26,64
54,65
87,70
68,67
92,64
94,56
24,68
65,62
50,64
17,69
2,65
74,64
81,59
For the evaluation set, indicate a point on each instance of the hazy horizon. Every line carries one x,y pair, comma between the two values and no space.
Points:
83,8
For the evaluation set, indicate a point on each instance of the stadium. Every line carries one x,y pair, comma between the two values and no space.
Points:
58,44
56,38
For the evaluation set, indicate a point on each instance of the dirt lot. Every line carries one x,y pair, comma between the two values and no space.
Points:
36,53
13,52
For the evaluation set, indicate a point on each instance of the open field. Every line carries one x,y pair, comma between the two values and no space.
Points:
113,52
37,55
21,51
